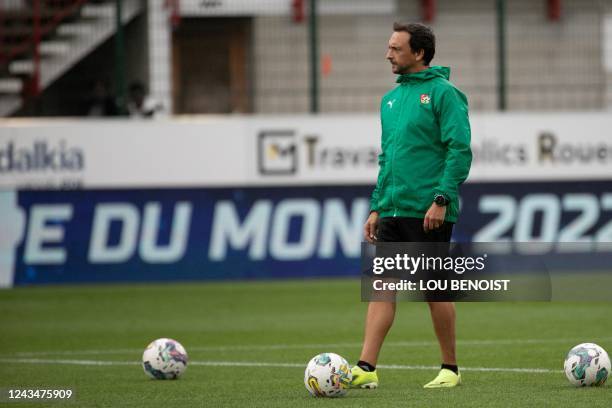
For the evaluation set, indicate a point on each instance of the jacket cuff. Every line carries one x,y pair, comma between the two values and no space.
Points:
438,192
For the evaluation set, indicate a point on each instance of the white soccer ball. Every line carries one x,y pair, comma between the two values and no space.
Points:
587,364
327,375
164,359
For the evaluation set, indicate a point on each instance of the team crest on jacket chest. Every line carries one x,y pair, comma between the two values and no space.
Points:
425,99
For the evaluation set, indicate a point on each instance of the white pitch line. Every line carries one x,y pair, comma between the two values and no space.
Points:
264,364
483,369
64,361
264,347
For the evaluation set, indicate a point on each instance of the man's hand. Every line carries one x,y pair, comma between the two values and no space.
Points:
434,217
370,229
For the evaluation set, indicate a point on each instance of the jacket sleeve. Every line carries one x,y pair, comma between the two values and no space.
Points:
376,192
381,165
455,136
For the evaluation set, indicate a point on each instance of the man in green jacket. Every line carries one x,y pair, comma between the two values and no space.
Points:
425,157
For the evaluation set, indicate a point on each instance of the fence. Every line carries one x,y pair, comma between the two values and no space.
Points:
293,56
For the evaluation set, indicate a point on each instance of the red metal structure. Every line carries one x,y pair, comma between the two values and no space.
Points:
428,8
34,88
554,10
175,12
22,30
297,11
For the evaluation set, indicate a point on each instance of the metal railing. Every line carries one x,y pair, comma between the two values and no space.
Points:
22,30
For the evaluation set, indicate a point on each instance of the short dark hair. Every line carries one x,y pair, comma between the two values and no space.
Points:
421,38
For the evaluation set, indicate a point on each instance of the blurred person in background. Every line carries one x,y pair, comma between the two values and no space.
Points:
141,105
100,103
425,156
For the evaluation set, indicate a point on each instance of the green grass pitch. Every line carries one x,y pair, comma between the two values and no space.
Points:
248,345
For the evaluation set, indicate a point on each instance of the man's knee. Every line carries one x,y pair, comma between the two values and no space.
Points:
440,305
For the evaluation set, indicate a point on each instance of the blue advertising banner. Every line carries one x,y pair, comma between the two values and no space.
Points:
177,234
263,232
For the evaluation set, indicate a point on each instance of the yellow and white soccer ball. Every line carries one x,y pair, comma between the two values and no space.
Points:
164,359
587,364
327,375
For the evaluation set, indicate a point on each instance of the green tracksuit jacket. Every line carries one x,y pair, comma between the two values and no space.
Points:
425,145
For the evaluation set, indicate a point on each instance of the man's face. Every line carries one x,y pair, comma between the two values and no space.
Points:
400,55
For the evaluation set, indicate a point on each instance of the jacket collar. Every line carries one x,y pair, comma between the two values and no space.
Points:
429,73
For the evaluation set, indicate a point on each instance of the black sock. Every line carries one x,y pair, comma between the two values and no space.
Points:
451,367
365,366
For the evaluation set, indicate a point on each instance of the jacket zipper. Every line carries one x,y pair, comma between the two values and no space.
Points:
394,151
393,172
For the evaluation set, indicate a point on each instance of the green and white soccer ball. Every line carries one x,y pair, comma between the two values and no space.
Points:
587,364
327,375
164,359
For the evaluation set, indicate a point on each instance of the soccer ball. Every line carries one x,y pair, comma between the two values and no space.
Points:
587,364
327,375
164,359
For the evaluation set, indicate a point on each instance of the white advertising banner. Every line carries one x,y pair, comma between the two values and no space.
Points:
283,150
210,8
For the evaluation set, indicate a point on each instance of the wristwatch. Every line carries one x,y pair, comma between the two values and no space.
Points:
441,200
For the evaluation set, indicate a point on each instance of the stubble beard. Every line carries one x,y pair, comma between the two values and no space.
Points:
399,70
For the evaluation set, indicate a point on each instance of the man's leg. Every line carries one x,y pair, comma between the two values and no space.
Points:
443,318
379,318
378,322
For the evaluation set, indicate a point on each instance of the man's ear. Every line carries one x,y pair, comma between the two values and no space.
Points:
420,55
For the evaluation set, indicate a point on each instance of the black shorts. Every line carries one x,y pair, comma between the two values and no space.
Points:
404,229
